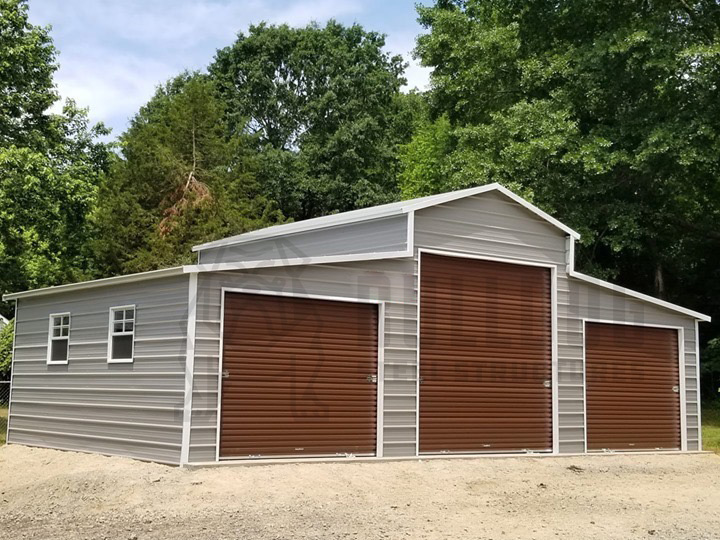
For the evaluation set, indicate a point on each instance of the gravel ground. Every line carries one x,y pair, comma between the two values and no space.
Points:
51,494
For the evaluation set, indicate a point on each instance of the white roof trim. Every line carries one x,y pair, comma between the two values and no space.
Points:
130,278
269,263
378,212
640,296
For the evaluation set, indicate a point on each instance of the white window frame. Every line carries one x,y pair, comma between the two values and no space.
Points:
111,333
51,338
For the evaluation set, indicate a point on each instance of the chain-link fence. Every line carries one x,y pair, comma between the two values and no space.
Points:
4,403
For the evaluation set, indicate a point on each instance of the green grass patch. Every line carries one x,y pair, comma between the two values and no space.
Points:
3,424
711,426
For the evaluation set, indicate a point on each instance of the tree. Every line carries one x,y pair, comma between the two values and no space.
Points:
323,103
7,333
607,115
51,164
180,181
27,65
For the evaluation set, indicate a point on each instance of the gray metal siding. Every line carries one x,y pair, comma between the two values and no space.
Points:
388,280
492,225
379,235
579,300
132,409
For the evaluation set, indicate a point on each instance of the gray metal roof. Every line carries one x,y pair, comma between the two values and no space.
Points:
375,212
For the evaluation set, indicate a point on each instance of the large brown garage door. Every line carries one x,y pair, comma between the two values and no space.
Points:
298,377
485,356
632,377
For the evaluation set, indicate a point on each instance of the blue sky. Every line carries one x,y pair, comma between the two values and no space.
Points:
113,53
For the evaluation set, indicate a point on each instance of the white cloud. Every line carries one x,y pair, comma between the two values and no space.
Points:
114,54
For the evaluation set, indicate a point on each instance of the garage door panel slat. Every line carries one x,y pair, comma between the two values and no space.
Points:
485,354
631,375
297,377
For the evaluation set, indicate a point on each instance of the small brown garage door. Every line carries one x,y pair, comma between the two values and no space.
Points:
485,356
298,377
632,377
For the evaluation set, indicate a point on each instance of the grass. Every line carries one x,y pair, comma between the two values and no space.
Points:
711,427
3,424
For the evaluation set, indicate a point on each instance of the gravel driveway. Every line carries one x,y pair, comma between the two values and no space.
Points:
51,494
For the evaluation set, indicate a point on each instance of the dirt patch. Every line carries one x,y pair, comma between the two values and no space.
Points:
51,494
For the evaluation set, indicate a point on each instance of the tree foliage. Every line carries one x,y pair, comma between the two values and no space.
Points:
51,164
180,181
7,333
605,114
323,103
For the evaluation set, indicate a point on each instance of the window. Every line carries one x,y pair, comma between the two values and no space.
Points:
58,338
121,342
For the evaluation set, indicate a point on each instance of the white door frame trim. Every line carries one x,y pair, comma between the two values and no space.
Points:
554,334
681,371
380,353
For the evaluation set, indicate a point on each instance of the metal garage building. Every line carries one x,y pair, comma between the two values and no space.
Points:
450,324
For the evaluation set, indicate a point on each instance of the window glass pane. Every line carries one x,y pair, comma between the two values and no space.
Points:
66,320
121,347
56,332
64,331
118,315
56,321
59,350
128,326
117,327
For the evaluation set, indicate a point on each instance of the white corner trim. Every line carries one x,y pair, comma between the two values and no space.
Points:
697,380
12,373
189,368
270,263
130,278
410,242
380,388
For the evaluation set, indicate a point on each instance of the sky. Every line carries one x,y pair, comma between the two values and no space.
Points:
113,53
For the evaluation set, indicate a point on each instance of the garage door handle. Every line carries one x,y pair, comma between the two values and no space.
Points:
676,389
225,374
372,379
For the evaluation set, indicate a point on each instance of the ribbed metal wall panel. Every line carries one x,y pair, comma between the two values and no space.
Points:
493,226
391,281
387,234
633,375
488,225
579,300
132,409
485,356
296,377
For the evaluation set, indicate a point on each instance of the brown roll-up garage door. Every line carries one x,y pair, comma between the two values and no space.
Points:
298,377
632,378
485,356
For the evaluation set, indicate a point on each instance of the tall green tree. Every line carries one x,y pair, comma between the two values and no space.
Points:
180,181
324,104
607,114
50,164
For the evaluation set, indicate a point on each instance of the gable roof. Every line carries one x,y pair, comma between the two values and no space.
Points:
377,212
